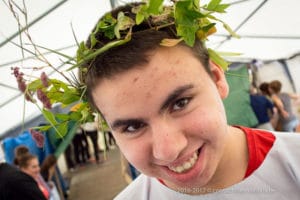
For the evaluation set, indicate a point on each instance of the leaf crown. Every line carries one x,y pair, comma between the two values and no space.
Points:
191,22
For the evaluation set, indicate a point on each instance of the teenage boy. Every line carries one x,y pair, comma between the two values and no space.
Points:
164,107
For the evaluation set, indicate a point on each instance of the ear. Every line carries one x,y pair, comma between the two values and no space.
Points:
219,79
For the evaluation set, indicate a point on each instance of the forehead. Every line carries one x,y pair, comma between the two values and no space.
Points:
33,161
167,69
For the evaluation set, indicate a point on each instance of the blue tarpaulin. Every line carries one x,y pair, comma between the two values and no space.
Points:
9,144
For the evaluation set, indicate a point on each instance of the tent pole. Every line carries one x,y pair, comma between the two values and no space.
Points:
288,73
33,22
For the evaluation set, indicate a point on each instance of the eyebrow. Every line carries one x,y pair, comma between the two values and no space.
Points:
174,95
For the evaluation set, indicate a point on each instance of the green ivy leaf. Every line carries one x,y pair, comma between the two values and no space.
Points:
140,13
76,116
34,85
106,25
214,56
213,4
93,40
62,117
187,21
196,4
221,8
106,22
123,23
187,33
59,84
155,6
139,18
207,27
69,97
62,129
50,117
82,51
54,95
216,6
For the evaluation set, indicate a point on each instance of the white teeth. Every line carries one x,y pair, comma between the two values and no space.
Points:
179,169
186,165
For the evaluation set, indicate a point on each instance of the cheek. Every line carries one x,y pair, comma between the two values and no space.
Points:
33,170
205,123
136,151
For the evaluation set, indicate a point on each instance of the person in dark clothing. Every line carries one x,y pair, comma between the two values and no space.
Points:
111,139
15,185
90,129
69,156
81,147
262,108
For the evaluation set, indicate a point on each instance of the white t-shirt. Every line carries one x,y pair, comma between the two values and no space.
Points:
277,178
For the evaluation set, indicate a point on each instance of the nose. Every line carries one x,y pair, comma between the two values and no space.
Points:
168,141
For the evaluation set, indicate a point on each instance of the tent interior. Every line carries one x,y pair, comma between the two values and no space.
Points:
267,29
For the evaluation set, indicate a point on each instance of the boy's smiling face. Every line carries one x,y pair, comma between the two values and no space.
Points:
167,117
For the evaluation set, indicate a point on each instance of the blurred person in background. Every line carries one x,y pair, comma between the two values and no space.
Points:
16,185
287,119
29,164
263,109
48,171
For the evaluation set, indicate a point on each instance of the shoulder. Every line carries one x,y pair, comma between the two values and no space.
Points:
288,140
9,172
12,175
285,153
259,98
260,136
136,189
280,169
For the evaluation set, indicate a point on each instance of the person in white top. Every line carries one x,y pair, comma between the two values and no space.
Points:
164,107
91,130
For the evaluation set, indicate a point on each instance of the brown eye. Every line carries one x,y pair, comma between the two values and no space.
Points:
180,104
134,127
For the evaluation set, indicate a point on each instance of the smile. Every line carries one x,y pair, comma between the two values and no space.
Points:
186,165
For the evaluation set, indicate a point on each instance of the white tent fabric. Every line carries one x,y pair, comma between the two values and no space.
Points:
54,31
269,30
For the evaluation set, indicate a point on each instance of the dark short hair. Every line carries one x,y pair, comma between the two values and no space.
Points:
136,52
19,152
23,160
264,88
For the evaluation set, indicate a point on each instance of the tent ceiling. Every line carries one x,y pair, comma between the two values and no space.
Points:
268,29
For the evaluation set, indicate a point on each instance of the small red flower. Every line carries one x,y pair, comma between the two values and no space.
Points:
44,79
44,99
38,137
21,84
16,71
19,77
